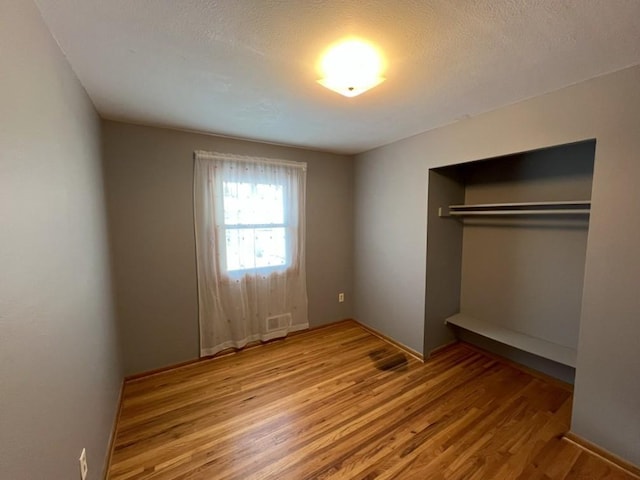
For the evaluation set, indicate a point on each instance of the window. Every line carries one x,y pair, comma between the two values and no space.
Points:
249,218
254,234
257,208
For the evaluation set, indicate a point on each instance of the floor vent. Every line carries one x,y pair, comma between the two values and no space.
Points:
278,322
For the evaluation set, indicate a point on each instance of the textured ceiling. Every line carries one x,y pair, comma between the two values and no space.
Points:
247,68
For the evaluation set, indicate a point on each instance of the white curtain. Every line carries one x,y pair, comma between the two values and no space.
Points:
249,228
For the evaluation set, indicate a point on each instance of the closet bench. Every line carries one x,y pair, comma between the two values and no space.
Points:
521,341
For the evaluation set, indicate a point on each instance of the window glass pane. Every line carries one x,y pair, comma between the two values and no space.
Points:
253,203
240,249
270,247
249,248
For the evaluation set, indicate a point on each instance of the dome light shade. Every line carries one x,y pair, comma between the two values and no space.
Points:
351,67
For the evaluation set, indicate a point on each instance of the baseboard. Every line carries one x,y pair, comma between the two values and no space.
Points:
229,351
417,355
410,351
258,343
114,428
612,458
155,371
443,348
324,325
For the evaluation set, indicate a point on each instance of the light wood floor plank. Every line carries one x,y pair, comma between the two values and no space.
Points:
340,403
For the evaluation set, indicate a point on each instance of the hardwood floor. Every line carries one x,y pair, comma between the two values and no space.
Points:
340,403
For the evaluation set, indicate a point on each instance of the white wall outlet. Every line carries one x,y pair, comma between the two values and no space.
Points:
84,469
341,297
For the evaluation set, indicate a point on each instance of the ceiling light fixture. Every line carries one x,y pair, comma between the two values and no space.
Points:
351,67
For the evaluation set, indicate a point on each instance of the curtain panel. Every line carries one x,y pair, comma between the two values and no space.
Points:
249,216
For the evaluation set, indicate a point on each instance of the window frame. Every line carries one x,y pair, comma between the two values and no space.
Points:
289,224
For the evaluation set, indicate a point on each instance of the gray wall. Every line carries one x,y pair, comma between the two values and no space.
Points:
391,223
527,273
59,369
149,175
444,251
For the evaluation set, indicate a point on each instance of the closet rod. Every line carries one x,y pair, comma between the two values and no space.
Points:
575,207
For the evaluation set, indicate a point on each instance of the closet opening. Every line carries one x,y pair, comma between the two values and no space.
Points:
506,249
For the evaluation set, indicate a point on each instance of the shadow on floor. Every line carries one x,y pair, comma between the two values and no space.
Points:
385,359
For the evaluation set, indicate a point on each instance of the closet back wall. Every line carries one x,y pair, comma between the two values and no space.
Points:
149,177
526,273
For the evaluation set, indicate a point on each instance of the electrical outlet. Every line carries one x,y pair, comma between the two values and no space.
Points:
84,469
341,297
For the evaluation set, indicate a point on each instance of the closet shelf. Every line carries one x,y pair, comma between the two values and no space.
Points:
578,207
521,341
